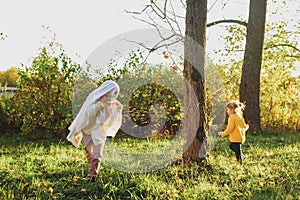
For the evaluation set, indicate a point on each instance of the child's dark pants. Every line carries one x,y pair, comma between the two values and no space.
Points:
236,147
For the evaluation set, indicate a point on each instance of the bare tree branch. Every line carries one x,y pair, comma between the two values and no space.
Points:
163,16
227,21
138,13
176,15
234,50
147,22
183,4
212,6
175,18
165,8
224,4
169,18
158,45
283,45
166,17
294,56
145,9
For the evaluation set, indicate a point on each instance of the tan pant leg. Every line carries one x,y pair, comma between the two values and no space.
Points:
94,154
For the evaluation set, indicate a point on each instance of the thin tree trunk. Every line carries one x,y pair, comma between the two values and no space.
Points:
250,82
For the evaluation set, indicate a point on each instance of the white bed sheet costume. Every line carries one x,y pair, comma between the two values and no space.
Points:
102,120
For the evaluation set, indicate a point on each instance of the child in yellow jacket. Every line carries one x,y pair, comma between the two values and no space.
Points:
236,128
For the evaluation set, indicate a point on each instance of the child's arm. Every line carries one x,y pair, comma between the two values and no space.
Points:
118,104
97,106
246,126
229,128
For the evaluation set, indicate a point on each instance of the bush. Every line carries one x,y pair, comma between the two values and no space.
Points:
3,116
44,100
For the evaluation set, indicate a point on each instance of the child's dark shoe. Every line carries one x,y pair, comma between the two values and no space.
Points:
91,178
94,179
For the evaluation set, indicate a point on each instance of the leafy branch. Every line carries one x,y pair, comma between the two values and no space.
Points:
285,45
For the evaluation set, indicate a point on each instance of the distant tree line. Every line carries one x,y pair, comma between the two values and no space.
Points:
9,77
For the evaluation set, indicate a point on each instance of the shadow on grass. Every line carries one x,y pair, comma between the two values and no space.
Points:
17,139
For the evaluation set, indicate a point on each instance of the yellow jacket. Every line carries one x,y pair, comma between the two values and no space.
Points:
236,129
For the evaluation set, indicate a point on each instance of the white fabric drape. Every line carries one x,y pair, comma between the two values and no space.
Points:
101,119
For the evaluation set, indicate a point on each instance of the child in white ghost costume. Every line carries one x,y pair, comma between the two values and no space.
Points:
100,116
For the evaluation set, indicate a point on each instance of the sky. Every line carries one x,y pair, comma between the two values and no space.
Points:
81,26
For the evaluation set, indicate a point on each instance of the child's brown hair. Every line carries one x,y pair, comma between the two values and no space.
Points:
237,106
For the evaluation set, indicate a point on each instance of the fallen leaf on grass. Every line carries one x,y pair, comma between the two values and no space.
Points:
291,170
50,190
226,186
269,153
282,180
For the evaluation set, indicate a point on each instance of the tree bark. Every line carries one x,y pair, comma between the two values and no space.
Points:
194,126
250,81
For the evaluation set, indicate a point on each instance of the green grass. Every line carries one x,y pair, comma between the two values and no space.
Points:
55,170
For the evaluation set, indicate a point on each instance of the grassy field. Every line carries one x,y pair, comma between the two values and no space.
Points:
51,169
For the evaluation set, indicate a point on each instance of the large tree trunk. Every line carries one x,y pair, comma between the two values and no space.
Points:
194,100
250,82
